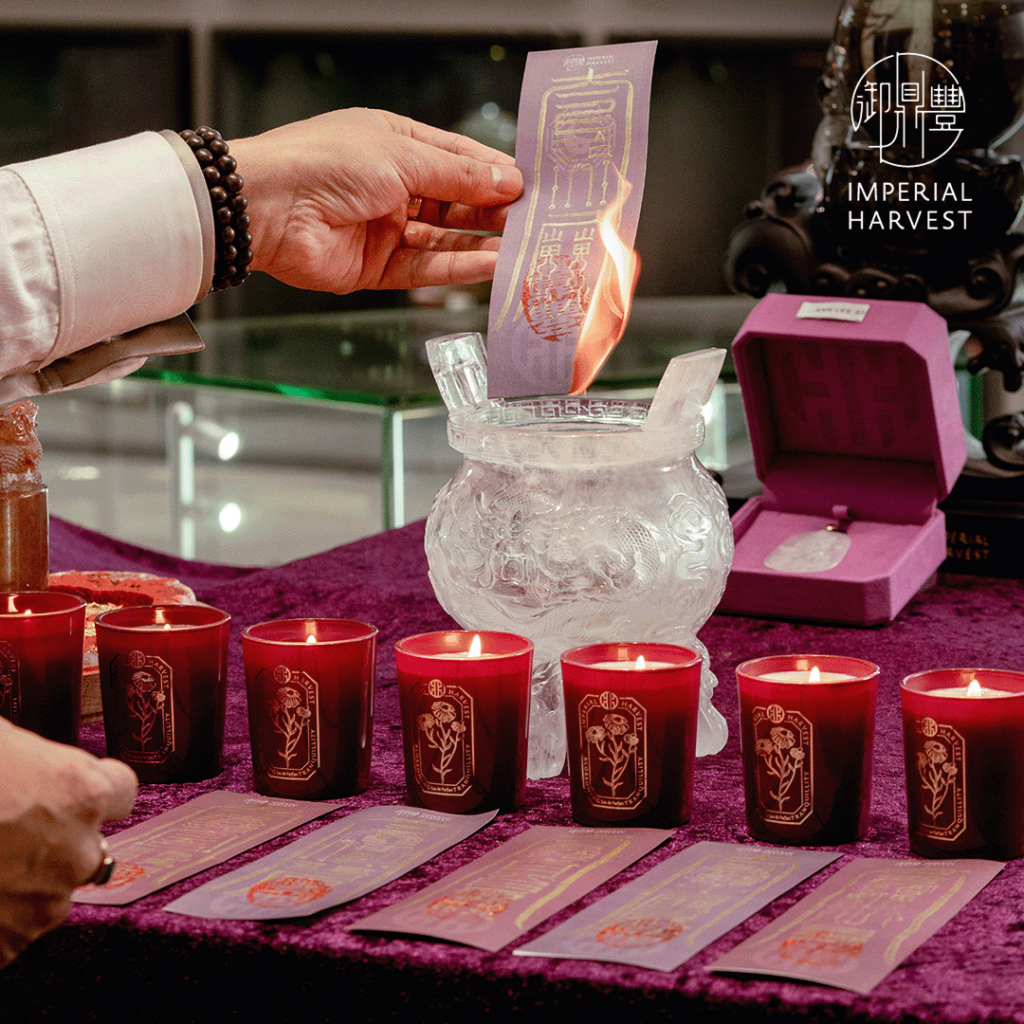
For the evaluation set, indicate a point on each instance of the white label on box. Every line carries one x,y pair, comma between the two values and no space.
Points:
852,311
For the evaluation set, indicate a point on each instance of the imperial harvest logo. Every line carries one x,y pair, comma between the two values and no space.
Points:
911,109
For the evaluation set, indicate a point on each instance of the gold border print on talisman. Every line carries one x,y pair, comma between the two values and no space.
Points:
783,749
942,771
442,751
583,120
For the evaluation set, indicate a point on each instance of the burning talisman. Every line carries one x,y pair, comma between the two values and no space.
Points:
566,273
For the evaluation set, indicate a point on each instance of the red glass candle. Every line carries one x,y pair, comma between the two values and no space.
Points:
807,732
465,701
631,724
163,680
309,684
41,645
962,732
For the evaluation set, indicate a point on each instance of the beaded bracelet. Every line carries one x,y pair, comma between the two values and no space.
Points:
231,222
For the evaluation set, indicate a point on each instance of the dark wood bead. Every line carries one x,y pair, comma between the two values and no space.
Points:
223,214
227,234
233,182
218,195
226,164
212,176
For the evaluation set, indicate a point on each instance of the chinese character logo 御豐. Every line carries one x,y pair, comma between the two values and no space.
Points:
908,104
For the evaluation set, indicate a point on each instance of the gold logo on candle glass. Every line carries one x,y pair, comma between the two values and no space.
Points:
939,758
147,696
442,748
783,747
292,713
613,750
10,687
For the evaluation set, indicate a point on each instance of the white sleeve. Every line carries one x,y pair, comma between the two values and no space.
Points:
94,243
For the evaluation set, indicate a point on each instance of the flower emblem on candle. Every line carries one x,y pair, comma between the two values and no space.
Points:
939,757
290,720
443,750
783,745
616,747
443,734
147,693
293,723
613,749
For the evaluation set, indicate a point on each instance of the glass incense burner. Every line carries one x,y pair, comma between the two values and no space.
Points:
575,521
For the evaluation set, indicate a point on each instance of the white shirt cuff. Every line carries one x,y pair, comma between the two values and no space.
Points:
126,236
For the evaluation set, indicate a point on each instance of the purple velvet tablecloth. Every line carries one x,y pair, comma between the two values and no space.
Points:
110,962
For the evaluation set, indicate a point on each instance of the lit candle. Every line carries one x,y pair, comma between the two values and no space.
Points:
807,726
965,762
41,640
631,724
465,700
163,679
309,685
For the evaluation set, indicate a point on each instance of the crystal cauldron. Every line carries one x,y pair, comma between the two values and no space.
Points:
579,520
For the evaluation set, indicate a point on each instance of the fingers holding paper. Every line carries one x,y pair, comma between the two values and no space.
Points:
368,199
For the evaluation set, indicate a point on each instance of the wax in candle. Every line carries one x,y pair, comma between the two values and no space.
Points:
797,676
631,666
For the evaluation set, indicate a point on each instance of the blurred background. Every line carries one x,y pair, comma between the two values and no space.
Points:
340,432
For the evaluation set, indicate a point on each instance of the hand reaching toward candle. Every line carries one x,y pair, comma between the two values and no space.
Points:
53,798
368,199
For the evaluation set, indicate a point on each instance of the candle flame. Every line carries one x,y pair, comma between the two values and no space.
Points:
641,662
310,632
814,676
475,647
974,688
608,312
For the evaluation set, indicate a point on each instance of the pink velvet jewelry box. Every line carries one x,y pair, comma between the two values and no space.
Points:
853,415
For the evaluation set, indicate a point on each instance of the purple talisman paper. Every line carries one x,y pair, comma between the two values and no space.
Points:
581,145
860,923
190,838
336,864
671,913
503,894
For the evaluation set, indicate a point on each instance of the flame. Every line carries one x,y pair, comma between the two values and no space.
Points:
475,647
814,676
974,688
641,662
608,313
310,632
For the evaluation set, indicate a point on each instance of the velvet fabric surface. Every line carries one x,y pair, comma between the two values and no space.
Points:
109,962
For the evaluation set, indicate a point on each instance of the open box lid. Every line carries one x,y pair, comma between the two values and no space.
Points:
850,403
